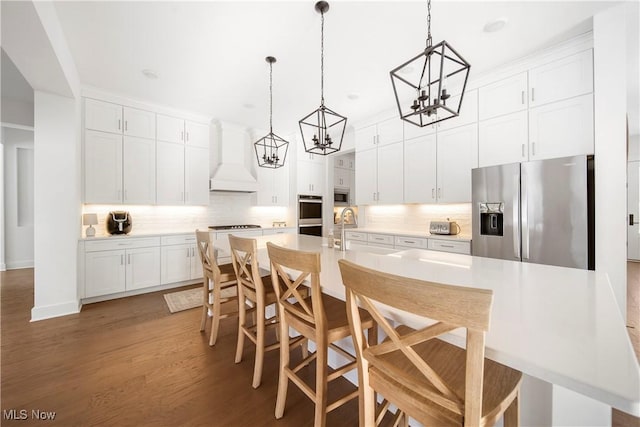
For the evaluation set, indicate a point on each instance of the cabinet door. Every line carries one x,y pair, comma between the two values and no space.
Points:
196,176
170,173
102,116
366,177
341,178
468,110
366,137
457,155
169,129
281,186
139,169
412,131
196,134
389,131
560,129
311,178
102,167
265,195
420,170
104,273
390,175
196,264
565,78
503,140
176,263
503,97
139,123
143,268
352,187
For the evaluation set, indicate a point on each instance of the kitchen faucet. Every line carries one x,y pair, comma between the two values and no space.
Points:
343,243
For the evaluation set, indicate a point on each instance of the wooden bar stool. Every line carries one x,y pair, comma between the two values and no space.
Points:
428,379
318,317
255,294
219,286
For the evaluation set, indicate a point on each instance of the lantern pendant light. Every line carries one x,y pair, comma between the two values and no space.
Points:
424,85
323,129
271,150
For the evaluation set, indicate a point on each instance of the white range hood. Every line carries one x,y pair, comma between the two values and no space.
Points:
232,173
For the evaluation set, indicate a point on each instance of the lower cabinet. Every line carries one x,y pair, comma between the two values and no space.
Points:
403,242
120,266
180,259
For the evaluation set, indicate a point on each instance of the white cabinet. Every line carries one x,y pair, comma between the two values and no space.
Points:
382,133
170,169
311,177
196,176
390,176
102,167
139,170
503,139
180,259
366,176
121,265
410,242
345,161
177,130
341,178
468,111
273,186
503,97
563,128
420,169
457,155
109,117
443,245
565,78
381,240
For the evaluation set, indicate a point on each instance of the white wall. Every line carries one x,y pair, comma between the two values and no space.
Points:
3,266
57,205
610,107
18,198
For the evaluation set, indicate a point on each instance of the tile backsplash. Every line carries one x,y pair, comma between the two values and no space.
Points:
415,217
223,209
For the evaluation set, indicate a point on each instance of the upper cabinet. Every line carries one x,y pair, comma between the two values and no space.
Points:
126,149
382,133
108,117
561,79
273,186
468,111
503,97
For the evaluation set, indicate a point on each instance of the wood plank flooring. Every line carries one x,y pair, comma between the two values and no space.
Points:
129,362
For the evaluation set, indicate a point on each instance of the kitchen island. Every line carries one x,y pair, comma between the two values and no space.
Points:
560,326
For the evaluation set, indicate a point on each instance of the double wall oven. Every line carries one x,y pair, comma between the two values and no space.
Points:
310,215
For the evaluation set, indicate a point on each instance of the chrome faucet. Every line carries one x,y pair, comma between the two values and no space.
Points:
343,242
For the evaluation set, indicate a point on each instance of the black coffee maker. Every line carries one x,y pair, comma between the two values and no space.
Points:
118,222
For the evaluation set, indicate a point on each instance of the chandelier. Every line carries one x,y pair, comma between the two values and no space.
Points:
271,150
424,85
323,129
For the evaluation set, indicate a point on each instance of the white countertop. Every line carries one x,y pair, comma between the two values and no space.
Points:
561,325
135,234
424,234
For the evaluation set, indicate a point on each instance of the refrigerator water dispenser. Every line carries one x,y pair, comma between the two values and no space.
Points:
491,219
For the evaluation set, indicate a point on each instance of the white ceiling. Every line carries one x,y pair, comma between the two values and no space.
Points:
209,56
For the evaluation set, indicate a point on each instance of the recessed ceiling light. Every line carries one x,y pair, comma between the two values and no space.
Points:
150,74
248,106
353,96
406,70
495,25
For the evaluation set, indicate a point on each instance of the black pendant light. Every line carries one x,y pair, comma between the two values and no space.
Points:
271,150
424,85
323,129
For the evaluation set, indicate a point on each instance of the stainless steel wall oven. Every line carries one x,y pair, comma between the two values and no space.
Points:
310,215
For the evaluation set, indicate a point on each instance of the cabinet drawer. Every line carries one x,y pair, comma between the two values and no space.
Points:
383,239
411,242
450,246
178,239
121,243
355,235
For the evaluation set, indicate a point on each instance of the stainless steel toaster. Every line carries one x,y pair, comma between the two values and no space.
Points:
444,227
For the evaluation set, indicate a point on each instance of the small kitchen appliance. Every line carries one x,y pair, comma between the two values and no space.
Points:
119,222
444,227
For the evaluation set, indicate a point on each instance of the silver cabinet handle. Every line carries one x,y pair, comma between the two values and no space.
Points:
188,252
122,259
439,192
522,150
187,136
409,241
433,193
119,122
533,94
522,97
533,148
126,125
129,259
446,246
124,244
182,136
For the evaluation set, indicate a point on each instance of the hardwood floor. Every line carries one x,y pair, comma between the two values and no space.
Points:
130,362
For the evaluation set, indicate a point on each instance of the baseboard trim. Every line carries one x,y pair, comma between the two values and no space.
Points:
57,310
3,267
16,265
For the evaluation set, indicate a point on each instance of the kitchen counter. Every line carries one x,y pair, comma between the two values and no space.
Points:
405,233
134,234
560,325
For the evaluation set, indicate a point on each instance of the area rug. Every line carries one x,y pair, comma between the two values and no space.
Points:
191,298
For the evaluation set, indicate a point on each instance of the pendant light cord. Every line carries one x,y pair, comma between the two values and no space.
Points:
322,59
270,97
429,42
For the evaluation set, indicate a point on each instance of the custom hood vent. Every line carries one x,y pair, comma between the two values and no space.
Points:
232,174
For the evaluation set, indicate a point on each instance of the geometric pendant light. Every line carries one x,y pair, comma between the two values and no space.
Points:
424,85
323,129
271,150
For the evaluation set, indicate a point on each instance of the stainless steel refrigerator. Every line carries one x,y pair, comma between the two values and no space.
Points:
540,212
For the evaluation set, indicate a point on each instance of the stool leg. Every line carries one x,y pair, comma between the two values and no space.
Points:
321,384
512,414
242,322
283,379
257,368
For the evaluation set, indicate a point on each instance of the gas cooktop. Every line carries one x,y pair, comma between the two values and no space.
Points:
233,227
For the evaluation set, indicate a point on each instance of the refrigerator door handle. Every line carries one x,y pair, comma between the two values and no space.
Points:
525,215
516,216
